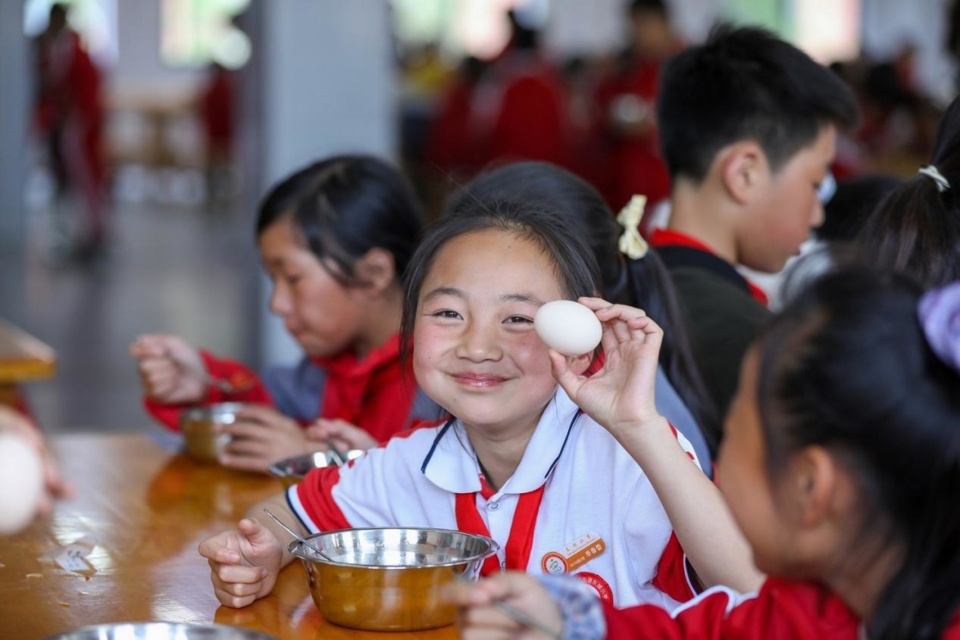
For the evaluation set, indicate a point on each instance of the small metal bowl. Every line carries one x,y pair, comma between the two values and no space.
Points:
290,471
386,579
161,631
198,427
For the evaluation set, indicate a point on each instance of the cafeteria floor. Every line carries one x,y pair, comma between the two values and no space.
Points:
189,270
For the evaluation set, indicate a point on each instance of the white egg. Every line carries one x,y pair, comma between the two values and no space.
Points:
568,327
21,483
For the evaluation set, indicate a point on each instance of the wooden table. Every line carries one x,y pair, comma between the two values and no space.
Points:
22,358
147,509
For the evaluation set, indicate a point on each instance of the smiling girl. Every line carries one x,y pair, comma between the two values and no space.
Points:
556,484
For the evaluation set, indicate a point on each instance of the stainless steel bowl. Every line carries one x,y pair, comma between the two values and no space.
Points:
386,579
161,631
198,427
292,470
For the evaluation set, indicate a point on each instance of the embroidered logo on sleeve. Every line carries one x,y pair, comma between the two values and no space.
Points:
577,553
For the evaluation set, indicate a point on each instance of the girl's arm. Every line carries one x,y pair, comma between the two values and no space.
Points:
621,398
569,609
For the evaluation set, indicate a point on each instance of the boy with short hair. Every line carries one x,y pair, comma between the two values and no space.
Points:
748,126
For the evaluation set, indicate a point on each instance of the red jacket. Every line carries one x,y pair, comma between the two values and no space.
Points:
782,610
374,393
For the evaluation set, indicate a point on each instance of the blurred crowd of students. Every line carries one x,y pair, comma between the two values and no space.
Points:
595,119
595,116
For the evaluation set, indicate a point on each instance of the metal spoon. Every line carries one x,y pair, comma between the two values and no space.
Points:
296,535
210,381
516,614
340,458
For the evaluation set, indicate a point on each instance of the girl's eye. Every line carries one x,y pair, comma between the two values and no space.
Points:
446,313
519,320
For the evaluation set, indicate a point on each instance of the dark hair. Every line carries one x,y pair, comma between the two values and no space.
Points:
745,84
846,366
917,228
638,7
345,206
468,212
643,283
846,213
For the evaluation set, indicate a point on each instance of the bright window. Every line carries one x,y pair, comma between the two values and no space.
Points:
195,33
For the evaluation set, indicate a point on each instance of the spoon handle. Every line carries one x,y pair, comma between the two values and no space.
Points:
298,536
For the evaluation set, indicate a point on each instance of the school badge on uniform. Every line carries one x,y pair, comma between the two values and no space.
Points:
577,553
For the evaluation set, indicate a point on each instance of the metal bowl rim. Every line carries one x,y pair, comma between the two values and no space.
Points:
294,546
206,412
277,468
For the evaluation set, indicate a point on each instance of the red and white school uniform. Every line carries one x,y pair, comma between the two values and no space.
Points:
577,503
782,609
377,393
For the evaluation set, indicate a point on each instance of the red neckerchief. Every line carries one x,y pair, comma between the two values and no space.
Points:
669,237
348,379
520,540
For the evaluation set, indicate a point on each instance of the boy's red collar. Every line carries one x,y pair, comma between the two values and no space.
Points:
671,238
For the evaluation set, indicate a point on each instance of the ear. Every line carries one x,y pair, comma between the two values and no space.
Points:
817,481
742,166
377,269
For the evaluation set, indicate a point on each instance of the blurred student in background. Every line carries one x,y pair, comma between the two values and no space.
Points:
69,115
626,106
335,239
748,125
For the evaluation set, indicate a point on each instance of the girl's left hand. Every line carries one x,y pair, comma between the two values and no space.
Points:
261,436
620,396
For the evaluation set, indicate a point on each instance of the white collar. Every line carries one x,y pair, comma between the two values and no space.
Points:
452,465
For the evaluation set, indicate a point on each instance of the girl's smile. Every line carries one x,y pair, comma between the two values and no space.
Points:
478,380
476,352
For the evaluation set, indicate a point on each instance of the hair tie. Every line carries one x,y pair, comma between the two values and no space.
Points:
934,174
939,312
631,242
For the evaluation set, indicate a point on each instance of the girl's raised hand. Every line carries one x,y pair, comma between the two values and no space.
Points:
620,396
479,618
343,434
244,563
164,363
262,435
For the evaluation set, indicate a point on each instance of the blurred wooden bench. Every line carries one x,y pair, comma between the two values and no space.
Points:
22,358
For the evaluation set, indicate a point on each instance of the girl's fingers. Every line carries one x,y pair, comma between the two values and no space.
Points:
562,372
244,430
218,554
240,575
594,303
646,330
493,621
228,599
246,446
